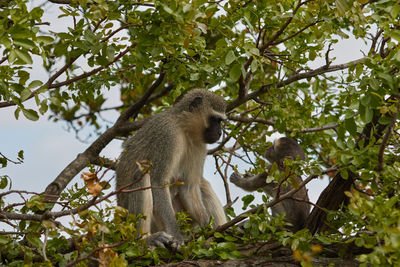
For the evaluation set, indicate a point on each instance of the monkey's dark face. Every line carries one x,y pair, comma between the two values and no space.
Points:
271,155
214,130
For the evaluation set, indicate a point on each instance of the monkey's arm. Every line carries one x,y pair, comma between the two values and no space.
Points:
212,203
249,183
163,209
161,174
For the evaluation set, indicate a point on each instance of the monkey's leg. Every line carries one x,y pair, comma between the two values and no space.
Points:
212,203
191,199
142,202
139,202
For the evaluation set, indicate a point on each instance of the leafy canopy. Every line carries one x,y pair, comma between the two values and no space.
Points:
258,55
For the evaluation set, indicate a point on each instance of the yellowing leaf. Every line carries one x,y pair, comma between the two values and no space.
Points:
316,248
106,256
94,189
92,183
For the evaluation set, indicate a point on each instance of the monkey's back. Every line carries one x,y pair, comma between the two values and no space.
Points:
155,135
296,211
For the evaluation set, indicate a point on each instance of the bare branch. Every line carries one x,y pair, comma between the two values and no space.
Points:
296,33
61,2
314,129
105,162
284,26
246,119
387,136
10,160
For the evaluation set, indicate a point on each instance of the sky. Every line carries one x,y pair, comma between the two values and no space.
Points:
49,147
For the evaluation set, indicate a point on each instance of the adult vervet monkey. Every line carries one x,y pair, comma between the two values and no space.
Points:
174,141
296,212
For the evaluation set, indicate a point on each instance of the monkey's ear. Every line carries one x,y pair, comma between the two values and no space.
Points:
196,102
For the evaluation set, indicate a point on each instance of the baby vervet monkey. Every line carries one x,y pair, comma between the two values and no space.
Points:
175,143
296,212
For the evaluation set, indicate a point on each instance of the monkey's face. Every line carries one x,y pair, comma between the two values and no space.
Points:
270,154
214,130
278,151
284,148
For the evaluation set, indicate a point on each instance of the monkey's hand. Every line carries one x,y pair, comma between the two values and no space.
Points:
164,240
236,178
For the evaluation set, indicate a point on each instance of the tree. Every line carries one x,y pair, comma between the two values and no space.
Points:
257,54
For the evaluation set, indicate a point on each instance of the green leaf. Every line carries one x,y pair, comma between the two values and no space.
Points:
55,101
4,239
247,200
35,83
395,11
110,53
167,9
21,154
235,72
24,56
25,94
34,240
366,114
254,51
43,107
218,235
12,56
365,100
25,43
30,114
342,6
351,126
395,35
385,120
45,39
3,181
16,112
230,57
3,163
344,174
6,42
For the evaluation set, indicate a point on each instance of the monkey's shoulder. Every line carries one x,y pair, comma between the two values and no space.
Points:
157,134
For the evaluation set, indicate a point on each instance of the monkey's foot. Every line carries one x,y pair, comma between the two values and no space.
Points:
164,240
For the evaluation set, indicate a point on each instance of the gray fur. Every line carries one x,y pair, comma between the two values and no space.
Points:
173,142
296,212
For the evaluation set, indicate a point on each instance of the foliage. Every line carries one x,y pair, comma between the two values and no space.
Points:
258,55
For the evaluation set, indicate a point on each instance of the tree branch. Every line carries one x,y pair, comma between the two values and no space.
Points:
61,2
387,135
293,78
90,73
47,84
